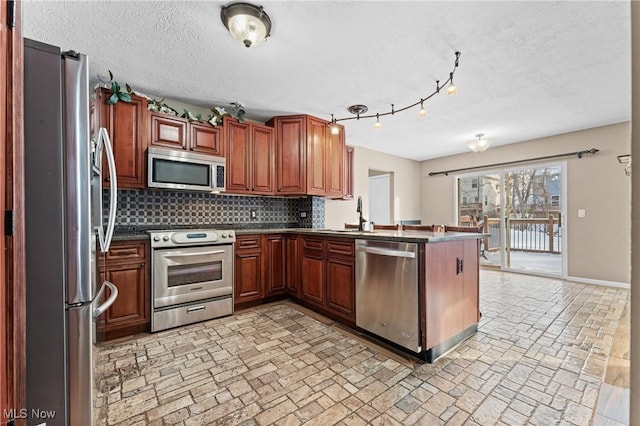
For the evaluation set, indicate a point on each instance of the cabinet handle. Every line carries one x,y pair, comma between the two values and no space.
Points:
458,266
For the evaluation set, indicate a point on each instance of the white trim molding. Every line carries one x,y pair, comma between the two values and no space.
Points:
605,283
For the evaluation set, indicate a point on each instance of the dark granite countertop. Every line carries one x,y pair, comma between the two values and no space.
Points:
401,236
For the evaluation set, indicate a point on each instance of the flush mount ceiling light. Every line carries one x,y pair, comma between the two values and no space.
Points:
358,110
247,23
479,145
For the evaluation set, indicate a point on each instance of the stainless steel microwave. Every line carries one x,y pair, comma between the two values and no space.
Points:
177,169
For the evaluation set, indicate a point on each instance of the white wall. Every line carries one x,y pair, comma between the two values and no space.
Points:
406,188
598,245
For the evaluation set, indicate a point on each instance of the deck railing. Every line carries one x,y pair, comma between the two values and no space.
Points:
526,234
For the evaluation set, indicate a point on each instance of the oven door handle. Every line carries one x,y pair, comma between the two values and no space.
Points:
174,259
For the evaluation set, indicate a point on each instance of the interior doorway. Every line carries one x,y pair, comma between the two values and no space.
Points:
380,197
523,210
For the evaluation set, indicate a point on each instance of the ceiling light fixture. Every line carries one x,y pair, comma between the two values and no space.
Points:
247,23
358,110
335,130
452,90
479,145
422,111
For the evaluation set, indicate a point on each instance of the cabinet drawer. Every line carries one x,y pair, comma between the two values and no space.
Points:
126,251
340,248
248,242
313,245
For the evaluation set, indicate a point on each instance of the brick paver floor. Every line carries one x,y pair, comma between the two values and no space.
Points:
539,357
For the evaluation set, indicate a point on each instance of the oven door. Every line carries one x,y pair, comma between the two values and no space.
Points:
182,275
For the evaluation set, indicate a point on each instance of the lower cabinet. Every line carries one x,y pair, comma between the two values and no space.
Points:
275,260
292,271
313,287
260,267
451,283
126,265
248,269
328,275
340,286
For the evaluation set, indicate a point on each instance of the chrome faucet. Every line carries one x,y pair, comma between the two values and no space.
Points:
361,220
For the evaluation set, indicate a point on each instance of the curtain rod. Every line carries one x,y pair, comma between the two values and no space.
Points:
579,154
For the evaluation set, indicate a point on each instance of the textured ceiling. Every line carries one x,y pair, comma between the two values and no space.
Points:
527,70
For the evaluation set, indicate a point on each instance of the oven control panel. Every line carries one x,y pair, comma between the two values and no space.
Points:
195,237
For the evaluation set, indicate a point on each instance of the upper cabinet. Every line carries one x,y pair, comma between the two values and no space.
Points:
335,163
178,133
127,124
309,158
250,150
291,154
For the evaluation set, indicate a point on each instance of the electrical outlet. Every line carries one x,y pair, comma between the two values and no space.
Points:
582,213
253,214
303,214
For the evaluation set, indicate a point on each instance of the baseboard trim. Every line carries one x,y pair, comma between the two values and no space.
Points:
604,283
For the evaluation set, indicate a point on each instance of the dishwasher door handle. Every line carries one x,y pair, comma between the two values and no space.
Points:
387,252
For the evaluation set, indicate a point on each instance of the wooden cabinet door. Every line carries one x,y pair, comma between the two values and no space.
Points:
444,295
238,151
263,159
275,259
313,279
126,123
348,172
206,139
470,276
316,156
291,158
127,267
292,264
168,131
335,163
341,278
248,276
131,305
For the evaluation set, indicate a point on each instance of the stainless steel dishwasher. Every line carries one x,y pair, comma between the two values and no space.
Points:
387,291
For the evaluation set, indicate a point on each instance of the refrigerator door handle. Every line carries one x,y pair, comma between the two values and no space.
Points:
103,141
107,304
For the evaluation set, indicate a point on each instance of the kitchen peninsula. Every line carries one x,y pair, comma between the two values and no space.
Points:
324,270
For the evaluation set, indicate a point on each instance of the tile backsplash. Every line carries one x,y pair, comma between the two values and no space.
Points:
156,209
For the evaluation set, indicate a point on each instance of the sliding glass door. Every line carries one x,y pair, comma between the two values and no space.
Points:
522,210
480,202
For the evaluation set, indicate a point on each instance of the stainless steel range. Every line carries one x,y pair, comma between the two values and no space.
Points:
192,276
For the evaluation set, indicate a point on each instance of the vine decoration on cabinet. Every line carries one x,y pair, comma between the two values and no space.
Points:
217,113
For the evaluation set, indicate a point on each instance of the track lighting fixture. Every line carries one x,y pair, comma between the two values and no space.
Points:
377,125
452,89
358,110
422,112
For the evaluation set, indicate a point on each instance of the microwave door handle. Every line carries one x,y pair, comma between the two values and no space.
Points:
105,237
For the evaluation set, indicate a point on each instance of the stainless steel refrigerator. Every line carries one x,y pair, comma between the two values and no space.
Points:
64,236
